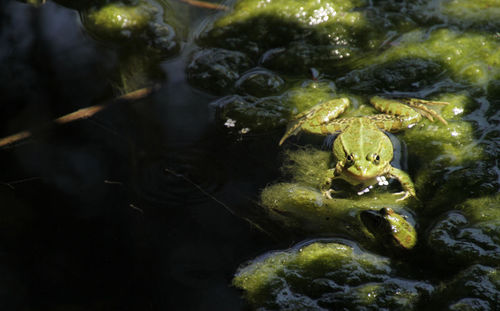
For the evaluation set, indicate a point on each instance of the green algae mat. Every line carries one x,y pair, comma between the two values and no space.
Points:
277,61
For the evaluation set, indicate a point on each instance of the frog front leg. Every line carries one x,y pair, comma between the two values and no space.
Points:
330,175
320,119
405,181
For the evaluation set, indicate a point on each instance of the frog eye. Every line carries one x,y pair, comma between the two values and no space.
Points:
350,159
374,157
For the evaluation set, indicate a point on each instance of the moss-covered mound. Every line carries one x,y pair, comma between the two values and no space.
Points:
326,275
140,25
469,234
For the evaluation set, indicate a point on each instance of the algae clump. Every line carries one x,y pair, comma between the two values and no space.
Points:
471,57
451,144
292,36
470,234
474,288
270,112
453,165
217,69
321,275
294,19
437,50
484,14
138,25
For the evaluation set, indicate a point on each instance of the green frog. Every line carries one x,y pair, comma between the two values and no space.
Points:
362,150
392,229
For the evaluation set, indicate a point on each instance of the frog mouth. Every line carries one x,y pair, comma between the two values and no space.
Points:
361,177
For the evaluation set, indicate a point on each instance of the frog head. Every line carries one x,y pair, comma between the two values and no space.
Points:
391,228
363,152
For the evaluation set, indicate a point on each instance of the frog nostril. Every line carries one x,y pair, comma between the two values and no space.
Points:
362,169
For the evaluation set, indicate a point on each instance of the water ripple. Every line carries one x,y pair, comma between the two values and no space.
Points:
181,177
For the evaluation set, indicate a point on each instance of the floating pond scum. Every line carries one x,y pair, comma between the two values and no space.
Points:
200,168
441,50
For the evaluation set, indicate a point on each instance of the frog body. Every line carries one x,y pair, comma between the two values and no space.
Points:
362,150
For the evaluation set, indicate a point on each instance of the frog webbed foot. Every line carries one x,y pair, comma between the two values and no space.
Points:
421,106
403,113
328,193
404,195
406,183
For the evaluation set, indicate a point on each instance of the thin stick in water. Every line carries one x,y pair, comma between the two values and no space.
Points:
83,113
206,5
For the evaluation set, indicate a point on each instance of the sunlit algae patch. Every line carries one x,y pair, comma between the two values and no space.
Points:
471,57
328,275
440,50
136,24
266,113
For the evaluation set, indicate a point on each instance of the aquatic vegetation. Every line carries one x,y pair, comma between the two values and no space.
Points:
453,144
474,288
259,82
403,74
334,25
438,50
389,57
251,113
470,234
468,169
304,209
217,69
309,93
141,32
326,275
471,57
139,23
269,112
470,13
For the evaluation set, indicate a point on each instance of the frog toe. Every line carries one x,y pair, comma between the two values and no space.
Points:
404,194
328,193
421,106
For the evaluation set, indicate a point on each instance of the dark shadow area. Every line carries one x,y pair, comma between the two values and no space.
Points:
90,218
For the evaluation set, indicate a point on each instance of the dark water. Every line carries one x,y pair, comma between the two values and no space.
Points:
89,217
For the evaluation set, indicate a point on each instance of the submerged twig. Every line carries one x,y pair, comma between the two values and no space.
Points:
11,184
14,138
80,114
206,193
200,189
206,5
136,208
